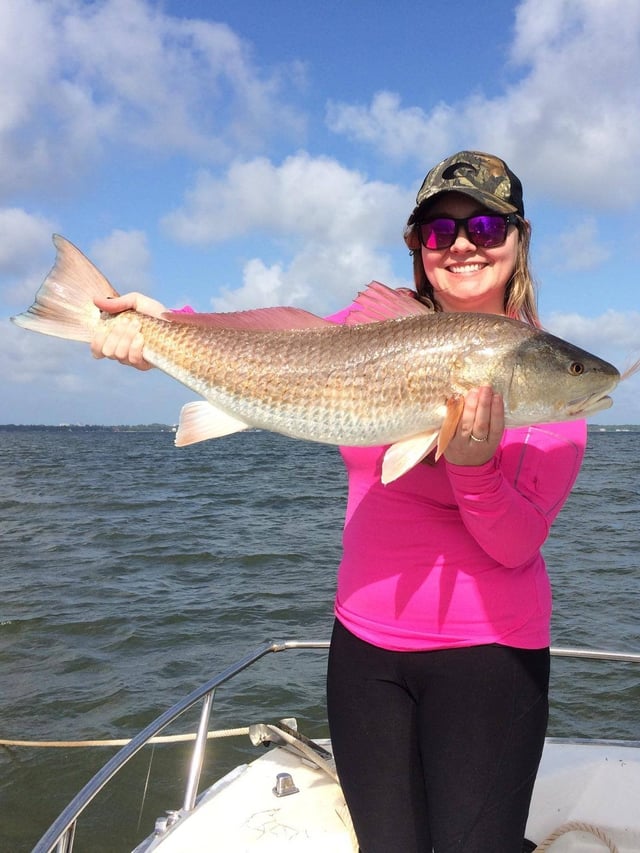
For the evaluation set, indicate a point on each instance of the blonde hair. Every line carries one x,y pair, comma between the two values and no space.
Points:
520,296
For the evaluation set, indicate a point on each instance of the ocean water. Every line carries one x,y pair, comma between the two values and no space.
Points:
133,571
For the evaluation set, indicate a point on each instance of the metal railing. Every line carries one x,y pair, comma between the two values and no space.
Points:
59,837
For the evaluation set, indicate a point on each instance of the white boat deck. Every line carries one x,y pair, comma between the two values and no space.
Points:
590,784
242,813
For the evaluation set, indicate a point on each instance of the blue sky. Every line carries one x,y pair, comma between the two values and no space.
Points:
232,155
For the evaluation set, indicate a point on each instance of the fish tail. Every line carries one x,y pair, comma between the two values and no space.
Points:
64,305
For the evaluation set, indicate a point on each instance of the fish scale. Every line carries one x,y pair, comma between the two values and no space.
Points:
395,381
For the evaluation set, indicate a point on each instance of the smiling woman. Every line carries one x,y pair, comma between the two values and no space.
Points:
440,647
463,267
467,274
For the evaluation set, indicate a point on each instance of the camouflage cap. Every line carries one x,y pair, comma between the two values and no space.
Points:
484,177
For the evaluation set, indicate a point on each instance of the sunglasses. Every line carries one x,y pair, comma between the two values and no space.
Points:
487,230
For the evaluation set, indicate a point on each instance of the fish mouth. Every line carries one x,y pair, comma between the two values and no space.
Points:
589,405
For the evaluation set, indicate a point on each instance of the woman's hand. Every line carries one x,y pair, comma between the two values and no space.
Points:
479,430
122,339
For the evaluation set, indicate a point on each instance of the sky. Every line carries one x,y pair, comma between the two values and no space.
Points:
235,155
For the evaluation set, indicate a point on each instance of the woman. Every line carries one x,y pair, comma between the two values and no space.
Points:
439,664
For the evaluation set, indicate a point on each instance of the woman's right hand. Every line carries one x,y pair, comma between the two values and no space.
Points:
122,339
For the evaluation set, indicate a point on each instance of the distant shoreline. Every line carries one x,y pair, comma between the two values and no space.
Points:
90,427
173,427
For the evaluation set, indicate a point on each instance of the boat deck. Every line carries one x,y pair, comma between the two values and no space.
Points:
244,813
596,784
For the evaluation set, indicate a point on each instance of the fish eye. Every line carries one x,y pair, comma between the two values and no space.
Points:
576,368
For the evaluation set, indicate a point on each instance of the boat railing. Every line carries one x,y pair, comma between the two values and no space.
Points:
59,838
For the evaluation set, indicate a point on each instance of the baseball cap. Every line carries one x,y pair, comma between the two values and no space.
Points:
481,176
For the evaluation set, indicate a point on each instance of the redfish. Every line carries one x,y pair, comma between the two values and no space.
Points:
395,374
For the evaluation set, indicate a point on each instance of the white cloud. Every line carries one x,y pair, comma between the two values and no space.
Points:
570,123
613,332
27,356
399,132
614,336
124,257
33,358
123,71
320,279
317,198
576,249
25,251
48,380
329,223
21,236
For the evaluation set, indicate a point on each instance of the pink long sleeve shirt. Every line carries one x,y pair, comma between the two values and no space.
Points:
449,555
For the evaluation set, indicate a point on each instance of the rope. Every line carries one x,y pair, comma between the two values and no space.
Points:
57,744
576,826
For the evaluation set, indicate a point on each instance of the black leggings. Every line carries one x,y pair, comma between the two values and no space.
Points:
437,750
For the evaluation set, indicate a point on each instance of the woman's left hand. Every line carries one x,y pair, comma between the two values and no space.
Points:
122,339
479,430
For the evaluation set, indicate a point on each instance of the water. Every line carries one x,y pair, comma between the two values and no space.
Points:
133,571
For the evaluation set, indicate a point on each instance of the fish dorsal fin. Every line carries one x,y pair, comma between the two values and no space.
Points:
379,302
403,455
262,319
200,421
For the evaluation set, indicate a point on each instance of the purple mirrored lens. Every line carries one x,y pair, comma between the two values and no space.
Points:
439,233
485,231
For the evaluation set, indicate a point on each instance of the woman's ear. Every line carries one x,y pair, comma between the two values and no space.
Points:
411,238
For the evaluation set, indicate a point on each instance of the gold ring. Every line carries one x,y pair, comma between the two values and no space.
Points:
473,438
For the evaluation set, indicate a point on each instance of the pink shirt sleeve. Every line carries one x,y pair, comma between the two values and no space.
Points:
509,504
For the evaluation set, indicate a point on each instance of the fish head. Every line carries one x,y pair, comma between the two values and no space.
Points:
553,380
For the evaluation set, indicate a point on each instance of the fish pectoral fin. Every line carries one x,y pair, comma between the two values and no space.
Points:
455,406
200,421
403,455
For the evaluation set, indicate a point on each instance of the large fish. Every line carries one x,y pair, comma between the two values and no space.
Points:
394,374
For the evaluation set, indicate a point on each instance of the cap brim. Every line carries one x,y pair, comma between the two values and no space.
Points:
488,200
